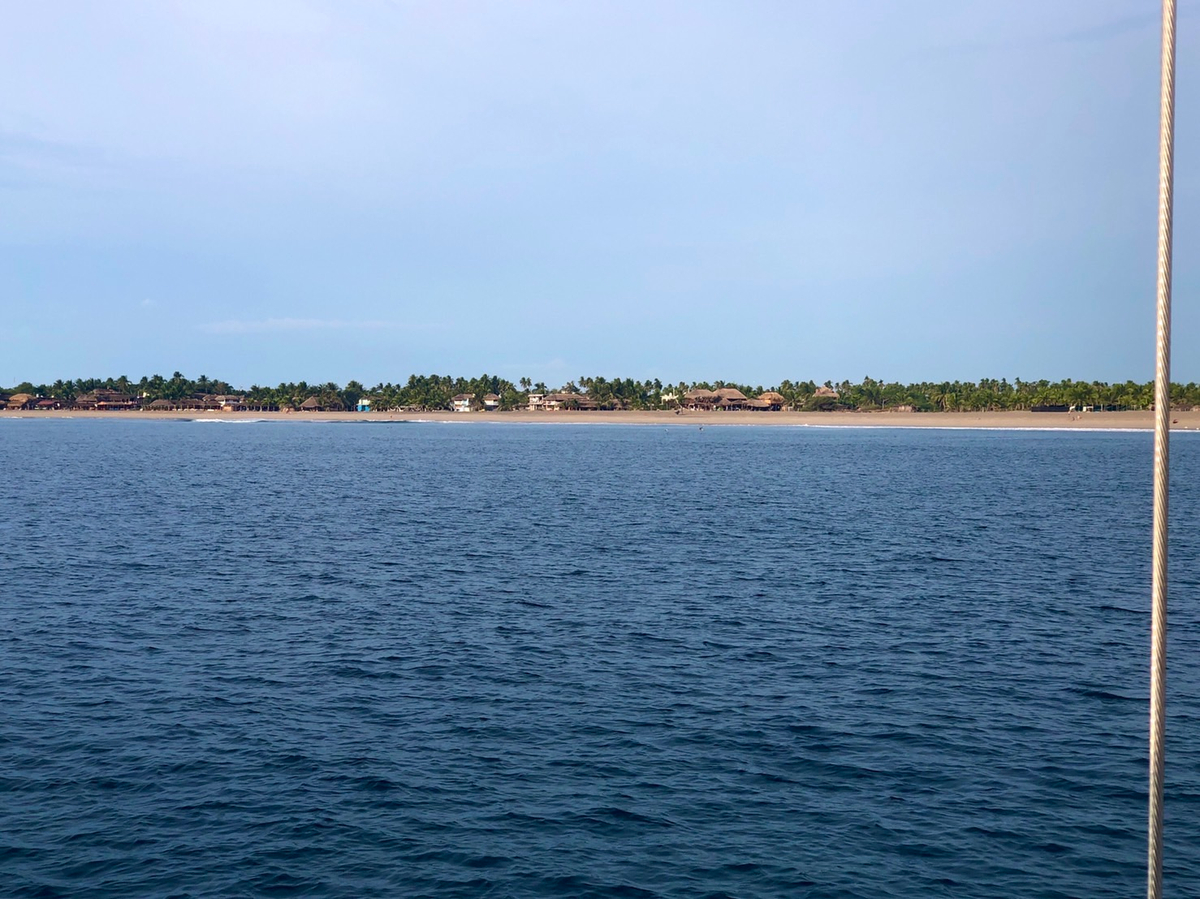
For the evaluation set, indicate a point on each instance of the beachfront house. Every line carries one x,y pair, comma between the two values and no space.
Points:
730,398
464,402
104,400
228,403
491,402
536,402
554,402
20,401
700,399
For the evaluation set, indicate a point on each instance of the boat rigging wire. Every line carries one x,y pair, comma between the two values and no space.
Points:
1162,424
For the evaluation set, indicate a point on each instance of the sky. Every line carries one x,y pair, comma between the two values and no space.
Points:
325,190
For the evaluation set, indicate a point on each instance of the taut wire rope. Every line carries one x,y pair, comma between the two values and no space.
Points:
1162,425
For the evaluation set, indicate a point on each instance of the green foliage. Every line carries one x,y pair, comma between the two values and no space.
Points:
434,392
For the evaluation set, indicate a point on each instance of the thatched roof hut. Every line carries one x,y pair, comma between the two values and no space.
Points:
569,401
732,394
700,398
312,404
771,398
21,400
161,406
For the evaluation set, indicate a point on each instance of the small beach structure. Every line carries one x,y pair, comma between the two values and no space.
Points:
312,404
701,399
491,402
730,398
162,405
555,402
824,399
536,402
464,402
20,401
775,401
364,404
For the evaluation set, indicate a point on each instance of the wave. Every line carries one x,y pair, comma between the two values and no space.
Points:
229,421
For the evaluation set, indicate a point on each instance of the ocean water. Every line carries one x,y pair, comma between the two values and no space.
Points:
300,659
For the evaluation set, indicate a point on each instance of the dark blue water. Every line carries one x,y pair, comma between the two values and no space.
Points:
290,659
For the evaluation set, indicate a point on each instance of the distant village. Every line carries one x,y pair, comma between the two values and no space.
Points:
492,394
110,400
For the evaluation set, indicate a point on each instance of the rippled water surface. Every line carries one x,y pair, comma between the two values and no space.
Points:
500,660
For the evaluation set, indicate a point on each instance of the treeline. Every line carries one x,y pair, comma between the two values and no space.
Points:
436,391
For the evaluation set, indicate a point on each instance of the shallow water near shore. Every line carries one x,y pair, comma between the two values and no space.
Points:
579,661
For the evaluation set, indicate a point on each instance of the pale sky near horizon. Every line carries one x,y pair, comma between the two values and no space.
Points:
267,190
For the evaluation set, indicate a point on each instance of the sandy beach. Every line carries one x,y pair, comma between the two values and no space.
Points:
1184,421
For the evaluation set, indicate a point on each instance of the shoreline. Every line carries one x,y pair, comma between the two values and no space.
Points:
1090,421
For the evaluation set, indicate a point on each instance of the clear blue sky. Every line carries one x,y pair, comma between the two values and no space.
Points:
266,190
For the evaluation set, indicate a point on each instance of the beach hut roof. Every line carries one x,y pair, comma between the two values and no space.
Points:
772,397
311,403
463,397
700,393
730,393
20,398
